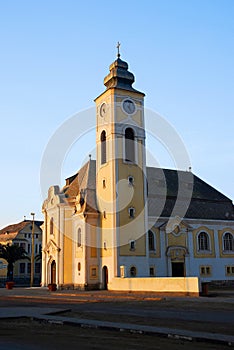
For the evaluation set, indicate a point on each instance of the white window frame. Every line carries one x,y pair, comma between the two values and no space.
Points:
225,250
201,251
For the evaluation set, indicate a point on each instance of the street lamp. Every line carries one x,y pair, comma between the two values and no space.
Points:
32,253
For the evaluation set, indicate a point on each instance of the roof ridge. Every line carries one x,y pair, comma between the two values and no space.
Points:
19,226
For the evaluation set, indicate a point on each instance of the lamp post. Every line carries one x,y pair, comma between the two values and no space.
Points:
32,253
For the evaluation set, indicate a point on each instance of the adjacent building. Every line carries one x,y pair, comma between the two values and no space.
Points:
21,234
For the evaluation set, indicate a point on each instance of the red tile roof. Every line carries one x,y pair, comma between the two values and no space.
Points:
9,232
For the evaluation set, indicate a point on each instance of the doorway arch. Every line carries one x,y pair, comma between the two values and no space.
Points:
53,272
105,277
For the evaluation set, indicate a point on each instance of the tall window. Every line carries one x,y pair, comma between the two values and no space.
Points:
37,267
132,245
130,180
23,245
151,240
129,145
203,241
131,212
103,147
51,226
152,271
228,242
22,267
79,237
133,271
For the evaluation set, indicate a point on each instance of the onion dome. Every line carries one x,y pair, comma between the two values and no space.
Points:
119,76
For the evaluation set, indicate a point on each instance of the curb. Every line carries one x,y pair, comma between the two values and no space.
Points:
170,333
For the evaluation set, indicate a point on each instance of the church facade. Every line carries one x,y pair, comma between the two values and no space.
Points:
117,218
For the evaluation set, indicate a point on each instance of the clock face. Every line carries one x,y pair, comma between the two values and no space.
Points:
103,109
129,106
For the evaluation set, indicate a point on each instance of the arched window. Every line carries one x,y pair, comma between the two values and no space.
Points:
133,271
129,145
228,242
203,241
132,245
103,147
79,238
151,241
131,212
130,180
51,226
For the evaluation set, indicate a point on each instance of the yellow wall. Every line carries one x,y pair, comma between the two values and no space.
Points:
67,260
3,272
139,251
93,272
93,242
187,285
79,251
117,222
174,240
68,240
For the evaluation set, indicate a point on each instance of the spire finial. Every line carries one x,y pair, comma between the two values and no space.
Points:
118,46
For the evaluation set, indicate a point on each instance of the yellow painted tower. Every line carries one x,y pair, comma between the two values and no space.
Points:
121,173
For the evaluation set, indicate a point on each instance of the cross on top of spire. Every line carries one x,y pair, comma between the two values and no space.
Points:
118,46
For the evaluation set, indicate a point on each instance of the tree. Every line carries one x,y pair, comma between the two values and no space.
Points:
12,253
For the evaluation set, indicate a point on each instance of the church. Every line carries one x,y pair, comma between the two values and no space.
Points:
117,221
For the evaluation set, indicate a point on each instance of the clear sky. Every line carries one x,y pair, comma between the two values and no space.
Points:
55,54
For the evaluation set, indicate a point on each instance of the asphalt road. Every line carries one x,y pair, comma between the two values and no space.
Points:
215,312
218,309
26,335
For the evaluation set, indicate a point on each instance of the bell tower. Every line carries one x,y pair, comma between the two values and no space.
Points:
121,174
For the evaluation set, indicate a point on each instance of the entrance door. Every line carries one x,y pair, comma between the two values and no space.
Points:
177,269
53,272
105,277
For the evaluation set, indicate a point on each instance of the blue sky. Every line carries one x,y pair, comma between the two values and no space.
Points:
55,54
